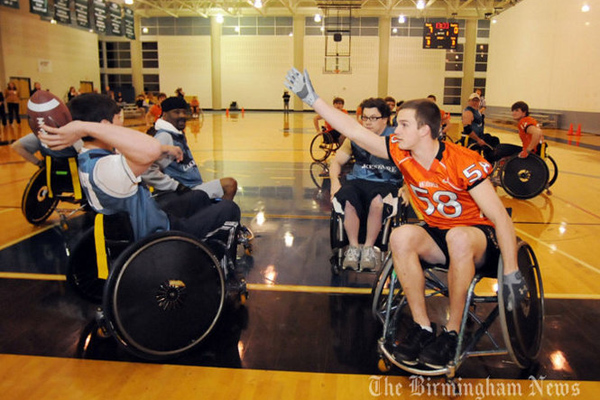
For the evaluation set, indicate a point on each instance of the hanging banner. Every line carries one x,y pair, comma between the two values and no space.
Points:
82,13
10,3
62,11
128,23
38,7
99,11
115,19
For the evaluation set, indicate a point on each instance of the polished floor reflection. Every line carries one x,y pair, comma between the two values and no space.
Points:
299,316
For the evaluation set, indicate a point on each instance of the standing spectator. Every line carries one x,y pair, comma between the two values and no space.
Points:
72,93
109,92
36,86
2,111
12,100
179,92
482,105
286,101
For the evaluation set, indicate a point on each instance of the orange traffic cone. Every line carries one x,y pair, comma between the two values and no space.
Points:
570,133
242,111
227,114
578,130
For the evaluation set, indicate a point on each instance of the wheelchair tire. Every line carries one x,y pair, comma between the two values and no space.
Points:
524,178
552,169
321,147
318,173
522,327
164,295
82,270
36,204
379,294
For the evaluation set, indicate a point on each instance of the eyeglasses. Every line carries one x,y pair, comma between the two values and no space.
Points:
372,119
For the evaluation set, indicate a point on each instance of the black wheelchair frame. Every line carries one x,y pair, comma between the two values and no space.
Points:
521,328
160,296
57,180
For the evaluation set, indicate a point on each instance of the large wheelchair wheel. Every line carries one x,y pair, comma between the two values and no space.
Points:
319,172
82,270
524,178
36,203
552,170
522,327
321,146
164,295
380,305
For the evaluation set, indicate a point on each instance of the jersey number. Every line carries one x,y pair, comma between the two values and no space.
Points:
445,202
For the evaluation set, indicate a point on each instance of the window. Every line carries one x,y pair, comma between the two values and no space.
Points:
150,54
452,91
151,83
454,58
118,55
481,57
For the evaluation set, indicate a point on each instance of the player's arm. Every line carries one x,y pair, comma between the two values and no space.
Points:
139,149
536,137
342,156
316,120
21,150
154,176
300,84
490,205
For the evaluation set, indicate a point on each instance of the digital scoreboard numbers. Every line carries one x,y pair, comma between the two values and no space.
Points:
440,35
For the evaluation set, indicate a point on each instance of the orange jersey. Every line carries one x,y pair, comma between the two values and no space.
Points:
156,110
442,193
328,127
525,123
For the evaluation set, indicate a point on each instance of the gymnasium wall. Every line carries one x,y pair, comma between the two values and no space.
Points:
26,41
545,52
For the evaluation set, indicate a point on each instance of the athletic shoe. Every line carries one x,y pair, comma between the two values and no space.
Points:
515,292
351,258
368,258
408,349
441,351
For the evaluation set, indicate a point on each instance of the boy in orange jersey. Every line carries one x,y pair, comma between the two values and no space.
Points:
530,133
338,103
466,224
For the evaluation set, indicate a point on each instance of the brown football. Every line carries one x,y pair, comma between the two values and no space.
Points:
45,108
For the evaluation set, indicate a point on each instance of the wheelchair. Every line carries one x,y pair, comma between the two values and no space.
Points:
159,296
322,146
521,328
394,213
57,180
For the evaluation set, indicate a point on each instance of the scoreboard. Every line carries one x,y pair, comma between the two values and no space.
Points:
440,35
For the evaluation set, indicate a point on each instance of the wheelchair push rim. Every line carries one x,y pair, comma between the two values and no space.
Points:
552,169
522,327
164,295
524,178
36,203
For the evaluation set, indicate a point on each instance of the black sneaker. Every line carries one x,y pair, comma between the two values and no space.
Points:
439,353
407,350
514,293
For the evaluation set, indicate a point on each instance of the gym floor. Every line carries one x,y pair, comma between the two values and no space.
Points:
304,333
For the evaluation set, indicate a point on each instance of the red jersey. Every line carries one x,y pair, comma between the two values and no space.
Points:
525,123
156,110
441,193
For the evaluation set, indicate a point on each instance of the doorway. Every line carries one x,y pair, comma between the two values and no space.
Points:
24,88
86,87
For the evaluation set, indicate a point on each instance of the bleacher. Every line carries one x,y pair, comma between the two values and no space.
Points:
546,119
130,110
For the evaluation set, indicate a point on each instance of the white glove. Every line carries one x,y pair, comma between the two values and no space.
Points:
300,84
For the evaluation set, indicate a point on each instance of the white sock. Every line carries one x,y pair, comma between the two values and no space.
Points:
427,328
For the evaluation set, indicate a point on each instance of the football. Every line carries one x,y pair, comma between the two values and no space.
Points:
45,108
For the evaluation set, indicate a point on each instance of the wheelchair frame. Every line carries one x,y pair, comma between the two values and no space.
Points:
322,146
57,180
148,313
522,328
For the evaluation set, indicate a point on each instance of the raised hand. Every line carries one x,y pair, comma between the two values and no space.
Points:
300,84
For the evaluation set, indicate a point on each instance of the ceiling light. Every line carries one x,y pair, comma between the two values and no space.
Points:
395,30
317,17
145,29
258,3
129,2
220,18
494,21
585,8
401,18
421,5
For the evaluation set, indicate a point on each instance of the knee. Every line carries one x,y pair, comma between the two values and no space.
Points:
376,204
229,188
401,239
459,242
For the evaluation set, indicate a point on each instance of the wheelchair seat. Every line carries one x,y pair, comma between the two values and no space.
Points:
161,295
57,180
521,327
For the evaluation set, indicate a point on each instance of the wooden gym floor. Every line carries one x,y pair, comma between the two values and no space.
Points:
304,333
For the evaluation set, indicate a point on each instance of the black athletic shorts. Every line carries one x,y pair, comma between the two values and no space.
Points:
492,251
360,193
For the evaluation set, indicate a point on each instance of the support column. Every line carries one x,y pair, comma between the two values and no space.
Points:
215,48
470,48
385,25
137,74
298,54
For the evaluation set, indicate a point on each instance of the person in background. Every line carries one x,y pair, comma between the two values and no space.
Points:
482,105
36,86
338,103
11,96
72,93
155,110
286,101
2,111
391,102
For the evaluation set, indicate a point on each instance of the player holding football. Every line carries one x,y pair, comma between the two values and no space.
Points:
466,224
